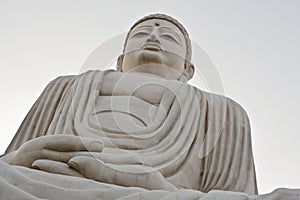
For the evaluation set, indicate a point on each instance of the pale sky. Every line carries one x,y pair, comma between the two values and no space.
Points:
254,46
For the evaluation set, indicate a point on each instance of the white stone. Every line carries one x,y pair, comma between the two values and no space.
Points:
137,133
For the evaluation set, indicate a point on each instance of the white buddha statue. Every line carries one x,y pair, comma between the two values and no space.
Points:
141,126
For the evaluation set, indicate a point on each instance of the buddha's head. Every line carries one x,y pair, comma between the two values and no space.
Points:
158,44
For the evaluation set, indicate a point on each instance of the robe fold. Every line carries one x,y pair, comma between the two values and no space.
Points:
197,140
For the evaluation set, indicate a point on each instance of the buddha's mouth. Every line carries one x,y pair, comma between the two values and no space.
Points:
152,46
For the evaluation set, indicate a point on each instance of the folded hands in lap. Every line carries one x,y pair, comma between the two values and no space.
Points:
84,157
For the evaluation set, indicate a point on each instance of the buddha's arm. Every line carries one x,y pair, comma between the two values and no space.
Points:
38,119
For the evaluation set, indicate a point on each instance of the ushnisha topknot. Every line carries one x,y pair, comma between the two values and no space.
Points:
172,20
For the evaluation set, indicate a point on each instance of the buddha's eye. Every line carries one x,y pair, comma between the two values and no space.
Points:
170,37
140,33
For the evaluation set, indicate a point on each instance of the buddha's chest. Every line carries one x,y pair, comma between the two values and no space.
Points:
123,113
124,105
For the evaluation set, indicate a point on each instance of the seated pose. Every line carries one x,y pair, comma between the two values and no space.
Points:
141,126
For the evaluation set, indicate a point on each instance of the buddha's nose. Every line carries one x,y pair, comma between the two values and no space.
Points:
154,36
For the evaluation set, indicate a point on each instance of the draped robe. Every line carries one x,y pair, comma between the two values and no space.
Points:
197,140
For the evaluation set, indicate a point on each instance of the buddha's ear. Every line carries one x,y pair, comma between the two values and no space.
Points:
188,70
120,62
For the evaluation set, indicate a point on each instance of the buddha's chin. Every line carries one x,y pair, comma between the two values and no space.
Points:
155,69
148,56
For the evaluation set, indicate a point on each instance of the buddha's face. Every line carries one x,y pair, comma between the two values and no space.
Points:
155,46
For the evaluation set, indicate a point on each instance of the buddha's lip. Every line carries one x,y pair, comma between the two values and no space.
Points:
152,46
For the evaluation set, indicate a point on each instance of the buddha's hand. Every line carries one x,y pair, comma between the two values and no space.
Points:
52,152
125,175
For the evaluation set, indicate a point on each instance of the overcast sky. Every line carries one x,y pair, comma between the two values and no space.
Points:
254,47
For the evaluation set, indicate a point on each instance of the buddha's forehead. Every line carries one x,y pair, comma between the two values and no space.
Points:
161,23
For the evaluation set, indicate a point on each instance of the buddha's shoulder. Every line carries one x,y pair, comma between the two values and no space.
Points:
63,79
221,100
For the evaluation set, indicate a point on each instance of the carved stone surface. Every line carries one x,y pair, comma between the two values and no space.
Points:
18,182
142,127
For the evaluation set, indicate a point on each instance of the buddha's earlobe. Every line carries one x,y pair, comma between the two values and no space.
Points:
188,70
120,62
